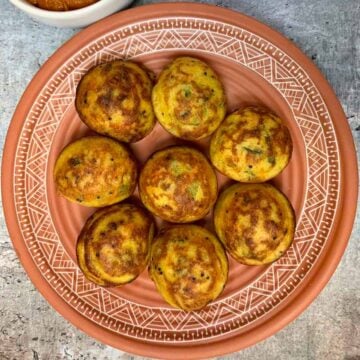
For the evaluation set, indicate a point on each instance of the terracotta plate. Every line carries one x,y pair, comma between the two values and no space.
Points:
256,65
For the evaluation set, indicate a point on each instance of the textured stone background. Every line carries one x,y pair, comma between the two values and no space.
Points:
328,31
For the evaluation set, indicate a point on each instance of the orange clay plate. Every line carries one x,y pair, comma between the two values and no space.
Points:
257,65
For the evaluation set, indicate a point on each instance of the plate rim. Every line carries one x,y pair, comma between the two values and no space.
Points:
325,267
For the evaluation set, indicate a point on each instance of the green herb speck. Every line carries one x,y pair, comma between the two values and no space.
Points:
253,151
124,188
271,160
193,189
194,122
176,168
187,92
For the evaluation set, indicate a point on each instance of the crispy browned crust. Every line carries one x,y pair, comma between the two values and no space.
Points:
178,184
189,266
80,248
189,99
114,246
255,222
251,145
95,171
114,99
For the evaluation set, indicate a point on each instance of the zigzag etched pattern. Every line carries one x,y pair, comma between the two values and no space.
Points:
247,305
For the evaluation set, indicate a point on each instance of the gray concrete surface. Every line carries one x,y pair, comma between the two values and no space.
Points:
328,31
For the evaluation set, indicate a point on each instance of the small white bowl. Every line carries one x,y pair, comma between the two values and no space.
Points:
72,18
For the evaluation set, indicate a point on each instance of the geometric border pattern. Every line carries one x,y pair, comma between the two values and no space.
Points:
251,302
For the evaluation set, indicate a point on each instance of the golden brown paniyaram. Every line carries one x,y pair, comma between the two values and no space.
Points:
114,246
189,99
251,145
178,184
189,266
95,171
255,222
114,99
